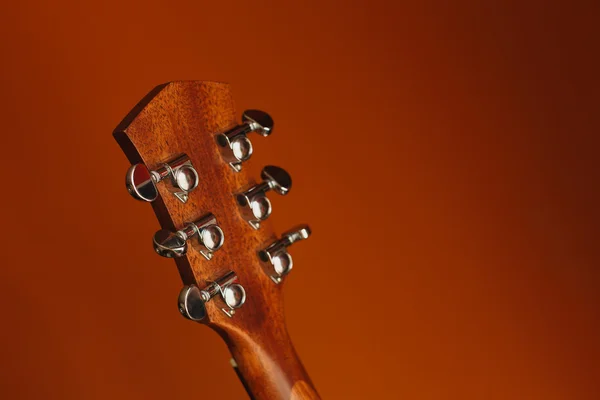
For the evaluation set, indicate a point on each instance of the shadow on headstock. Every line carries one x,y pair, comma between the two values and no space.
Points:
186,146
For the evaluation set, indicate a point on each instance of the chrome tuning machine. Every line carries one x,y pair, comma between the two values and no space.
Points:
192,300
181,174
254,204
276,254
207,234
235,145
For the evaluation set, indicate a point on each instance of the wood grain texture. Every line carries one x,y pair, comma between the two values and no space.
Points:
183,117
303,391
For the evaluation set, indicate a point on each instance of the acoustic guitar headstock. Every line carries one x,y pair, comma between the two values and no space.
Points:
187,147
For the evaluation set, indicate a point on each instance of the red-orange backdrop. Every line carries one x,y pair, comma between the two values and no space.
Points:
445,155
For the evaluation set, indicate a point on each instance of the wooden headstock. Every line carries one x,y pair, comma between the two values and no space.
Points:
185,118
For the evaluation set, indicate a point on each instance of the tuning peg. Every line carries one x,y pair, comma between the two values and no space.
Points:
209,237
192,300
255,206
276,255
235,146
141,182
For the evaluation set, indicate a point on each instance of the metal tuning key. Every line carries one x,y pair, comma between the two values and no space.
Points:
183,178
235,145
192,300
255,206
279,260
207,234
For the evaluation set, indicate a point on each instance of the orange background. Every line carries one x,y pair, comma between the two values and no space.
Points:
445,156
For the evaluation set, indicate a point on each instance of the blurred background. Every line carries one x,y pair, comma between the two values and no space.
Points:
445,155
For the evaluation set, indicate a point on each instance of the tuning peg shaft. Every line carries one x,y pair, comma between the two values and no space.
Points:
209,238
254,204
183,178
192,300
279,261
235,145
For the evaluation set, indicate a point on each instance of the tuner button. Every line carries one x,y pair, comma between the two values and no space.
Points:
234,295
191,303
279,180
242,148
260,121
254,205
300,232
140,183
169,244
212,237
235,146
279,261
209,237
183,178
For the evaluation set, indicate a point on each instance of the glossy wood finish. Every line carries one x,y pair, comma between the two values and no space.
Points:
183,117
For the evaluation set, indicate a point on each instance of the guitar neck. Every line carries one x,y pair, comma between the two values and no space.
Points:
268,366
